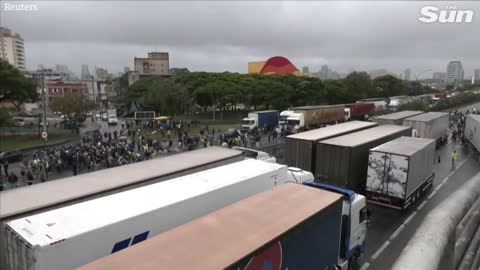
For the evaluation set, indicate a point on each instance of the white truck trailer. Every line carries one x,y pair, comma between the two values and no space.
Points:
400,172
471,134
72,236
431,125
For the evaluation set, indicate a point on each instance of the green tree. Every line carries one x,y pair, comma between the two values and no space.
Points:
72,106
358,86
416,105
388,86
14,87
5,117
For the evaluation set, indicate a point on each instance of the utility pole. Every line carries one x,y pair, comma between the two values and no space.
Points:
94,98
44,103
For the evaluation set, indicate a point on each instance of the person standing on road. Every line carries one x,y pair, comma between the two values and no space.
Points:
454,159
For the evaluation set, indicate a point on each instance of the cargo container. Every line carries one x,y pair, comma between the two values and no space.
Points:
431,125
71,236
300,147
75,189
472,133
358,111
395,118
380,103
260,232
395,102
313,116
400,172
260,119
343,160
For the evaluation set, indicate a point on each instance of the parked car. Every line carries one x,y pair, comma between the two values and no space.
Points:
11,156
19,122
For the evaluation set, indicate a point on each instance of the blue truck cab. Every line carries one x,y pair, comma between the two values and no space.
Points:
354,223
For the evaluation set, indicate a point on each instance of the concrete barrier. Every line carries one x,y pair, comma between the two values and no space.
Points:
433,245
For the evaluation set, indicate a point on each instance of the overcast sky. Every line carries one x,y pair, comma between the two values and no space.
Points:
225,35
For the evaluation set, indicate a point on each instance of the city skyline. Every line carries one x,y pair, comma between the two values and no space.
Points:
224,36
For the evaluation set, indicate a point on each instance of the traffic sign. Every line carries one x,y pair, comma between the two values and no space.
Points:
44,135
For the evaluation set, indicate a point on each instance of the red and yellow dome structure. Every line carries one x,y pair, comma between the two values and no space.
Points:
278,65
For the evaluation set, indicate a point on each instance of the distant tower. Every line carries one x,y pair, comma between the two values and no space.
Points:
305,69
407,74
85,72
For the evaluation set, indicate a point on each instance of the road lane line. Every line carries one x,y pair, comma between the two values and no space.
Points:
431,195
395,233
380,250
438,187
422,205
365,266
412,215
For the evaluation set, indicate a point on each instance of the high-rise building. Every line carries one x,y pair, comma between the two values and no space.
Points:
85,73
157,63
126,69
477,75
11,48
455,73
407,74
305,69
101,73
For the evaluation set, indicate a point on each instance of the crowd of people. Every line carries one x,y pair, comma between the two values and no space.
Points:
133,142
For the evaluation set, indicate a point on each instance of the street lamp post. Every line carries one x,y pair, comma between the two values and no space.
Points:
94,98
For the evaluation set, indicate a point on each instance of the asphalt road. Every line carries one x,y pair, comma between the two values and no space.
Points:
390,230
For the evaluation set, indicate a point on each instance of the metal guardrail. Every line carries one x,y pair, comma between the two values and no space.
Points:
449,237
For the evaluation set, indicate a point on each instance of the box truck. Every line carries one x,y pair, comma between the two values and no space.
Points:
380,103
313,116
431,125
358,111
400,172
72,236
343,160
471,134
300,147
259,232
260,119
395,118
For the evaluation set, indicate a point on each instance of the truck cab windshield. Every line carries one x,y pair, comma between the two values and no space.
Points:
293,122
247,122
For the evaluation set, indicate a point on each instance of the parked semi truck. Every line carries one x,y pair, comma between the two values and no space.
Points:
308,117
260,119
400,172
300,147
380,103
431,125
471,133
343,160
72,236
358,111
259,232
395,118
282,119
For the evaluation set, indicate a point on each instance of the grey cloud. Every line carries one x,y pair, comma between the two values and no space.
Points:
225,35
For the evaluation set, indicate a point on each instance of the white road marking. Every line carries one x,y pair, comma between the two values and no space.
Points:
432,194
380,250
395,233
422,205
438,187
412,215
365,266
